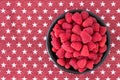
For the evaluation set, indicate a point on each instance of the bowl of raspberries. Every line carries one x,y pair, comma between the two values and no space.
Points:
78,41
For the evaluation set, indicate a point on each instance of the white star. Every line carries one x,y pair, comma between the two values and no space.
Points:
23,24
113,72
8,71
108,24
39,58
92,72
18,44
55,11
92,3
45,51
39,4
13,78
19,71
45,78
29,72
29,4
44,38
50,59
24,78
24,38
102,72
71,4
118,51
19,58
24,11
8,58
18,3
118,38
118,24
97,78
108,65
3,51
108,10
112,44
8,44
45,11
102,3
8,31
66,10
55,78
8,17
3,10
60,3
113,17
29,58
18,31
97,10
113,31
45,65
118,65
8,4
34,11
39,31
29,17
34,38
3,78
39,17
55,66
113,58
34,78
103,17
35,51
34,65
34,24
29,44
3,37
50,17
60,72
118,78
3,24
14,65
3,65
24,51
76,78
50,4
13,10
40,45
45,24
29,31
107,78
40,72
81,3
113,3
118,10
13,24
24,65
18,17
50,72
14,51
66,78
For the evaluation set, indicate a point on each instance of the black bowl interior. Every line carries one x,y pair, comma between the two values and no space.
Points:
54,57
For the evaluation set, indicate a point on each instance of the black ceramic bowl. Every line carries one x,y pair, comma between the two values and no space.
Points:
54,57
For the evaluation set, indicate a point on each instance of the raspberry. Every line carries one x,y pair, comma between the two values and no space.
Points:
66,46
76,54
73,63
68,55
84,15
54,50
91,45
82,63
90,64
88,22
61,61
67,65
77,18
103,49
56,43
76,29
96,37
103,41
96,27
61,21
85,51
75,37
66,26
64,37
103,30
81,69
89,30
60,53
76,45
68,17
92,56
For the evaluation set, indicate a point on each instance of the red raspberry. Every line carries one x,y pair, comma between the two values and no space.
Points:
81,69
102,49
91,45
68,55
68,17
92,56
56,43
82,63
85,51
66,46
103,30
75,37
61,61
77,18
60,53
66,26
76,29
76,45
84,15
61,21
103,41
76,54
90,64
65,37
96,37
73,63
89,30
88,22
96,27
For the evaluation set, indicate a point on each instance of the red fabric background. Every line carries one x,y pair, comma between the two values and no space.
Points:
23,53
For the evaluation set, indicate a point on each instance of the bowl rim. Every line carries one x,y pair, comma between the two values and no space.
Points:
48,43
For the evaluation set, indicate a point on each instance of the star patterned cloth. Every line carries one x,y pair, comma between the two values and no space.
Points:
23,28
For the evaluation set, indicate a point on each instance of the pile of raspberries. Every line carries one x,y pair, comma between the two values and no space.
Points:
78,41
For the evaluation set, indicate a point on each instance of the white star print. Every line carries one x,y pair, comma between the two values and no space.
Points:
45,65
13,10
66,10
108,24
8,44
29,4
118,65
50,4
76,78
92,3
24,51
3,65
39,31
29,31
2,37
29,44
23,24
50,72
118,24
29,72
60,72
8,58
3,24
118,51
71,4
29,58
45,24
118,10
3,10
113,31
8,4
55,66
8,31
45,11
44,38
24,65
108,10
97,78
13,78
45,51
107,78
18,4
40,72
40,45
113,58
24,11
60,3
55,11
112,44
92,72
118,38
66,78
3,78
97,10
24,78
19,71
50,59
18,44
24,38
39,17
34,78
18,17
113,72
50,17
55,78
14,65
108,65
8,17
13,24
8,71
102,72
118,78
81,3
19,58
102,3
39,58
14,51
113,17
34,51
29,17
39,4
45,78
34,38
34,11
103,17
113,3
3,51
34,24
